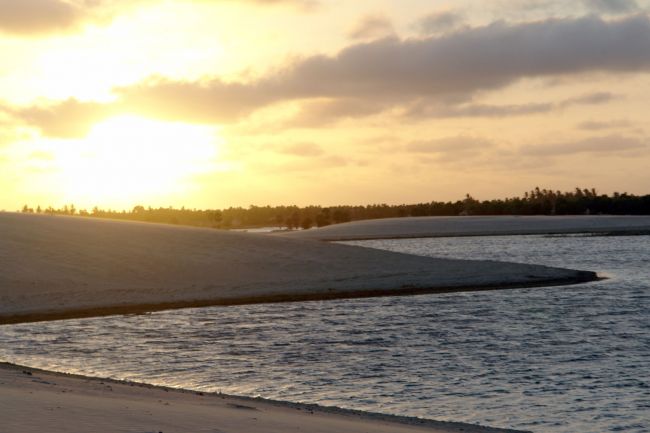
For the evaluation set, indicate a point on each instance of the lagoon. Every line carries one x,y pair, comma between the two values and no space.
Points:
556,359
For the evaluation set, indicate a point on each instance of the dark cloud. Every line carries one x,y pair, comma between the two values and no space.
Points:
590,99
612,6
438,22
611,145
37,16
372,27
428,109
315,113
391,73
394,71
592,125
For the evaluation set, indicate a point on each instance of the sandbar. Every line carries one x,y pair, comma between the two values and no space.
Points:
56,267
456,226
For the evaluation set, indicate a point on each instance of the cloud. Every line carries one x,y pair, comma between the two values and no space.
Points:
395,71
308,165
438,145
41,17
213,101
439,22
67,119
38,16
372,27
305,5
428,109
452,150
302,149
391,72
612,6
590,99
611,145
599,125
315,113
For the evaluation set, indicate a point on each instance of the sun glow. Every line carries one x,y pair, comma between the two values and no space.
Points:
129,159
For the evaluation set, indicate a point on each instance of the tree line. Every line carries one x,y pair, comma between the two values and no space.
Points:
535,202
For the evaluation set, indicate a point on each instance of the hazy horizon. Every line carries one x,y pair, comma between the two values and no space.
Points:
271,102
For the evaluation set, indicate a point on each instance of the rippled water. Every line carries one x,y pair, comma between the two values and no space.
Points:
561,359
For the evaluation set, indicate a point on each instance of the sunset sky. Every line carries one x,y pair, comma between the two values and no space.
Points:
223,103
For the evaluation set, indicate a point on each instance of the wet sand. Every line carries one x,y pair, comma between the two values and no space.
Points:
38,401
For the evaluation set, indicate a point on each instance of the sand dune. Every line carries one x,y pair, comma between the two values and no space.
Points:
57,267
416,227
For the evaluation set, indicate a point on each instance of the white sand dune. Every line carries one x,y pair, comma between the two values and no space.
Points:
56,267
416,227
34,401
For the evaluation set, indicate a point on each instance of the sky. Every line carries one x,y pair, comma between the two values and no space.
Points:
211,104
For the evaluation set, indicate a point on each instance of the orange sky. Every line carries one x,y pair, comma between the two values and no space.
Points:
231,103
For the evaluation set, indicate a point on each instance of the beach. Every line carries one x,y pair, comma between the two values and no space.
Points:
63,267
36,401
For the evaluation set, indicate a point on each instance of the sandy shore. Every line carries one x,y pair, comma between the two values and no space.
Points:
60,267
37,401
417,227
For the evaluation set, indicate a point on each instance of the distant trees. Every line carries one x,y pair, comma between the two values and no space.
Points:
535,202
306,223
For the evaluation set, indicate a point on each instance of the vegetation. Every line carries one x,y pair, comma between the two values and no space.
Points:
535,202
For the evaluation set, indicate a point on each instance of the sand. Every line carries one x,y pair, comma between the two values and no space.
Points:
37,401
54,267
417,227
58,267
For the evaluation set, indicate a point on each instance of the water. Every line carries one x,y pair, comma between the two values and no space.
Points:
561,359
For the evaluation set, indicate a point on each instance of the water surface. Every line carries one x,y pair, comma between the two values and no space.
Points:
560,359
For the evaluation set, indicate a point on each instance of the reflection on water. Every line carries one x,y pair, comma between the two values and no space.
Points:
562,359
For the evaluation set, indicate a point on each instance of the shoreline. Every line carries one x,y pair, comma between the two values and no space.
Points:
580,278
475,226
35,382
586,233
63,268
57,268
